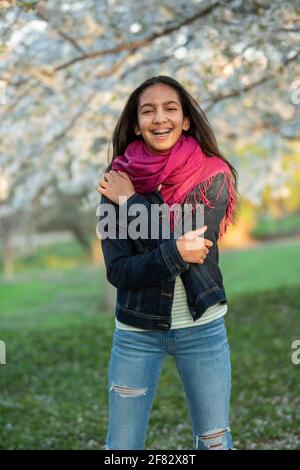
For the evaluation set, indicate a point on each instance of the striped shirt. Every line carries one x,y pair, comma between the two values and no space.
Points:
180,315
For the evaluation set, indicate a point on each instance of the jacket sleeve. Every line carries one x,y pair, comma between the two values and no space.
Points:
135,271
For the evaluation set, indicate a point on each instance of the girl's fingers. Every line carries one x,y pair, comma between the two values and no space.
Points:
123,173
112,173
103,180
200,230
104,184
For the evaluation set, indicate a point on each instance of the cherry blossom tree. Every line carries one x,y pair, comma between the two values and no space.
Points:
67,68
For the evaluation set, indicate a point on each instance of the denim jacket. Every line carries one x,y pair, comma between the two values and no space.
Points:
144,269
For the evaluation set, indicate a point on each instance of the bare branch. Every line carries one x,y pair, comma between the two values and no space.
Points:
61,33
276,129
155,60
232,94
132,46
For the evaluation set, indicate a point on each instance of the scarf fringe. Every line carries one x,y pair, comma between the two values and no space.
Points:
202,189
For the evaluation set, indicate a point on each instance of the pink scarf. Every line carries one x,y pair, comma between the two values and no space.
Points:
180,170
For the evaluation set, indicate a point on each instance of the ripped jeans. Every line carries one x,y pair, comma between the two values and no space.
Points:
203,361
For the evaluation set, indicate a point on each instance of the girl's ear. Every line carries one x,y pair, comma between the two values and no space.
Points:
137,130
186,124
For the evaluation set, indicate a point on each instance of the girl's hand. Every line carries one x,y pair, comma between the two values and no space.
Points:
118,184
192,248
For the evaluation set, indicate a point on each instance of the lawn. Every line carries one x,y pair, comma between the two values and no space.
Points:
53,386
268,227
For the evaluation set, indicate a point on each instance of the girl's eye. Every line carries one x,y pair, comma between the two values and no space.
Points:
168,109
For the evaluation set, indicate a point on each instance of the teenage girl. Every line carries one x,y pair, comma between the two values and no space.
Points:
170,294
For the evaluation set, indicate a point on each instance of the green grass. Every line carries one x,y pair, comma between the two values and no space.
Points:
53,256
261,268
54,385
270,227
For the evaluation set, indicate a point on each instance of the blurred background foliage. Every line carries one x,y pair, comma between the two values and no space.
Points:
66,69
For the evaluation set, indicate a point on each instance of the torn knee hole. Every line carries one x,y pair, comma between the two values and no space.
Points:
213,440
126,392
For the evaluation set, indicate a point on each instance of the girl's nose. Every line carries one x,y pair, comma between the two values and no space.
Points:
159,117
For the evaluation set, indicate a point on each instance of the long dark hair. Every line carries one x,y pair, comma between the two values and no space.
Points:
200,127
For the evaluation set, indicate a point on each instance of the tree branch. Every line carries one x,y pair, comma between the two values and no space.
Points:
61,33
155,60
276,129
132,46
272,76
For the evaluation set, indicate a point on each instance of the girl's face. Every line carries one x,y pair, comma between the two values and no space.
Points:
160,117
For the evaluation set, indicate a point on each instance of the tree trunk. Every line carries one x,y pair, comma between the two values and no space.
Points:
96,252
8,259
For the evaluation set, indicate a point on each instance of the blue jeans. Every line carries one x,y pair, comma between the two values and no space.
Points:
203,361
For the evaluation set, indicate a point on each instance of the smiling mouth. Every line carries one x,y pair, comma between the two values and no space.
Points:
161,133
